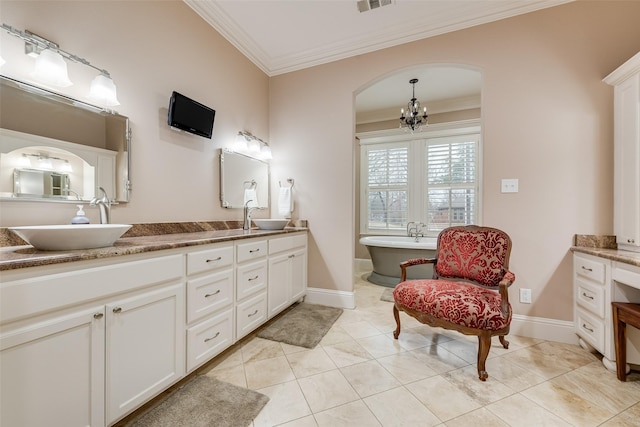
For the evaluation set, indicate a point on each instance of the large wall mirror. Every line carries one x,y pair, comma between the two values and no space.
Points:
55,148
243,179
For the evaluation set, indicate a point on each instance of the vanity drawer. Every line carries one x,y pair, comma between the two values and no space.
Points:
209,338
210,259
251,314
590,296
589,268
250,279
207,294
590,328
282,244
253,249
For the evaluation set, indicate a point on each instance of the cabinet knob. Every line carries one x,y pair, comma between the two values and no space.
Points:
98,316
210,295
117,309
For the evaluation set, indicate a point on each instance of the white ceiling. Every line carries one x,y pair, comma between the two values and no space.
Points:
281,36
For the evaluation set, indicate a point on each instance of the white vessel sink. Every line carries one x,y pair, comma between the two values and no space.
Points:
71,236
271,224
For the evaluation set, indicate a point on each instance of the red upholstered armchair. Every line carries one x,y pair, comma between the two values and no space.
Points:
468,291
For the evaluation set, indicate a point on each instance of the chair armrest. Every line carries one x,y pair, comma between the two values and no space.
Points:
414,261
507,280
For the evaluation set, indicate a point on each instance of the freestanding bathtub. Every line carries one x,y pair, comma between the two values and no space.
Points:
387,252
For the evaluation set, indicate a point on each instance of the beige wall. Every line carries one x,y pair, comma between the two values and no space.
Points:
151,48
547,120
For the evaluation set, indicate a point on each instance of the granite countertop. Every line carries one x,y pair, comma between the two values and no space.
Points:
23,256
604,247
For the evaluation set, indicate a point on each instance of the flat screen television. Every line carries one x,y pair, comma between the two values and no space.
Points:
190,116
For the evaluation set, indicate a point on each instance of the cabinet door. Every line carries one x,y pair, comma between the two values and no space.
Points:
626,193
53,372
298,274
279,284
145,347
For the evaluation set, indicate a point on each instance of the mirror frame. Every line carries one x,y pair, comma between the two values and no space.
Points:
68,108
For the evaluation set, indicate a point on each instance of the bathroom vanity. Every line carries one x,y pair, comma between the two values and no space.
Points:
87,337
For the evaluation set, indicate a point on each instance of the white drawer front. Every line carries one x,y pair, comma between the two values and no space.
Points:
251,314
590,296
590,269
209,259
207,294
281,244
590,328
253,249
250,279
209,338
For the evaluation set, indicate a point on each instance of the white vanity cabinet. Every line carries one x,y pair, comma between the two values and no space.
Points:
210,314
287,271
626,194
251,285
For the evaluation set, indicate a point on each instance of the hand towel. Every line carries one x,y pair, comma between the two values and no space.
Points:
285,202
251,196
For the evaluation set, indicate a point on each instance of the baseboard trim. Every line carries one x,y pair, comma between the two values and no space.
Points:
543,328
331,298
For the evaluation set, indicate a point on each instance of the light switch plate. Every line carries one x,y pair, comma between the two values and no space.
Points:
510,185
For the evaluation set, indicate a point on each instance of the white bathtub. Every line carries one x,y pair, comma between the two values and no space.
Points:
387,252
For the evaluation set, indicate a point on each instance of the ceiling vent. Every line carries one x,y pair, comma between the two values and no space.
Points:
366,5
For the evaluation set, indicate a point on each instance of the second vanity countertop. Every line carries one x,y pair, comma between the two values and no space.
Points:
16,257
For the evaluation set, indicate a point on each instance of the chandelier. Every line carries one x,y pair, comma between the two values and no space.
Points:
413,120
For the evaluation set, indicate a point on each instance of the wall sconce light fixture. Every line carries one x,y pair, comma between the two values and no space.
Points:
44,161
250,145
51,68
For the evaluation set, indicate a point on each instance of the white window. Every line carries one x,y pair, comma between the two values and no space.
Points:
432,177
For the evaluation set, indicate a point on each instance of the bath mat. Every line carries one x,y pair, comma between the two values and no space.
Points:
387,295
205,402
304,325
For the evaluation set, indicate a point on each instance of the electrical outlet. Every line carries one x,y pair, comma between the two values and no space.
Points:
525,296
509,185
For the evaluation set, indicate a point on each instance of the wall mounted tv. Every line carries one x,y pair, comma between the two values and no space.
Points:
190,116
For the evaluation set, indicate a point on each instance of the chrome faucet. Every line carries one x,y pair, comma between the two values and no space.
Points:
414,229
246,225
105,206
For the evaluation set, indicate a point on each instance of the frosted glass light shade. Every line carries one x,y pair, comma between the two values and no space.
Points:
51,69
103,91
2,61
265,152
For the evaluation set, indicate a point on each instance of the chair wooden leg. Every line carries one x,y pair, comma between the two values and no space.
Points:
504,341
396,315
484,345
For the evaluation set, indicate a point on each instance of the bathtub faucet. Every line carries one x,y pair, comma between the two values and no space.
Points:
414,229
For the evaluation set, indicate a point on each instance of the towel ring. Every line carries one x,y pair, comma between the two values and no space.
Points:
291,181
252,184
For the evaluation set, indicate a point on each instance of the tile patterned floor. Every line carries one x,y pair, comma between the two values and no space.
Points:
360,376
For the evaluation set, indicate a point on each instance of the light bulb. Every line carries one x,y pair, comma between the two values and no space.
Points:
51,69
103,91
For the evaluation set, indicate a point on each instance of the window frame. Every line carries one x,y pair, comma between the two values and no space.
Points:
417,202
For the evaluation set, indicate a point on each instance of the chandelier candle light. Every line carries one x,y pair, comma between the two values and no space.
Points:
413,120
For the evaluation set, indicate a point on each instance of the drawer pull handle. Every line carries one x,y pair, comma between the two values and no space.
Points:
254,250
253,278
213,260
587,328
213,337
210,295
253,314
117,309
588,269
292,256
98,316
584,294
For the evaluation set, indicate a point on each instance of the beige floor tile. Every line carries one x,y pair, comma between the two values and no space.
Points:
310,362
479,418
412,338
286,403
484,392
259,348
335,335
380,345
348,415
628,418
308,421
406,368
398,407
347,353
327,390
233,374
349,316
518,411
360,329
289,349
443,398
267,372
512,375
439,359
369,378
567,405
539,362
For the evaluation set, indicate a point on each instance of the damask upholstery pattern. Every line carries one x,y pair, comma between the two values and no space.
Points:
458,303
478,255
